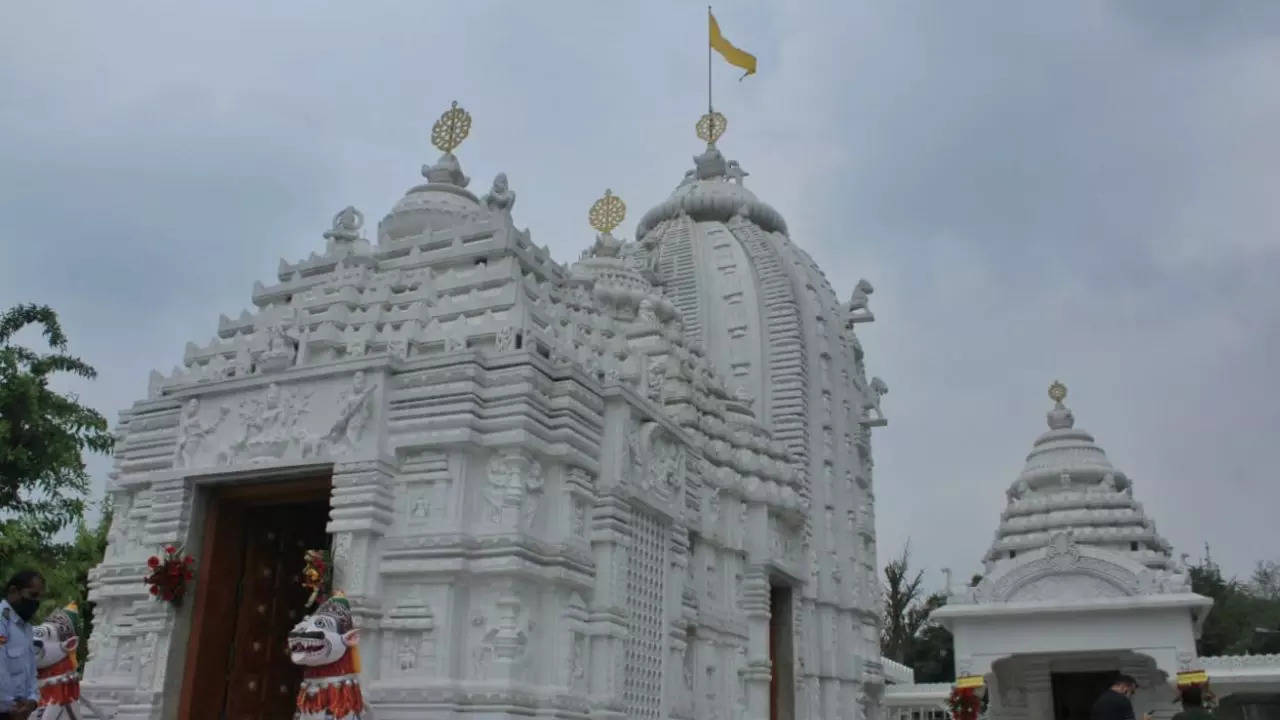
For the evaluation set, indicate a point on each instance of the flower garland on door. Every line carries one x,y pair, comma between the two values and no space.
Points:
167,576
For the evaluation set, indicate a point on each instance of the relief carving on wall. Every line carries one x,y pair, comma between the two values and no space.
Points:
270,427
355,410
513,490
192,432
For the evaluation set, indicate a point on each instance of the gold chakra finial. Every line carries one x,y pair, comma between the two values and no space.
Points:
711,126
607,213
1057,392
451,129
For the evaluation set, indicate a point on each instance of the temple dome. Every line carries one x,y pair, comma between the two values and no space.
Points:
1069,486
713,191
442,202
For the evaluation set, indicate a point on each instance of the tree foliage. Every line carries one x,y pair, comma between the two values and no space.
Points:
65,566
907,635
43,433
1239,611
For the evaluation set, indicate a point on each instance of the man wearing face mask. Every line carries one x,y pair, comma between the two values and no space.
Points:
18,693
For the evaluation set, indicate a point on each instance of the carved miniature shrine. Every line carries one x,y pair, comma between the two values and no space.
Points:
634,486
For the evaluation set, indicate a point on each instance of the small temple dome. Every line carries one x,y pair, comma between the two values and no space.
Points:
1069,486
427,207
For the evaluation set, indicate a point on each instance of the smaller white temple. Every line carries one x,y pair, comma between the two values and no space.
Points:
1078,586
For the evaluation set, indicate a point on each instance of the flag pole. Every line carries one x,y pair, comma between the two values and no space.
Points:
709,109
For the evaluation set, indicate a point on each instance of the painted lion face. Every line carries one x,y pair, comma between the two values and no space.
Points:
322,638
50,648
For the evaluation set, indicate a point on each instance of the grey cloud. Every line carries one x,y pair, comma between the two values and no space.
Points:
1037,191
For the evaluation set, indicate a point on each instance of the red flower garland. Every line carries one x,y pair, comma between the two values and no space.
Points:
168,576
964,704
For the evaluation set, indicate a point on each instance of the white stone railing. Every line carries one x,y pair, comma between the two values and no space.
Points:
1238,662
916,702
896,673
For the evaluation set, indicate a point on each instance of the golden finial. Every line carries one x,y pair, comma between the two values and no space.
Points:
1057,392
607,213
711,126
451,129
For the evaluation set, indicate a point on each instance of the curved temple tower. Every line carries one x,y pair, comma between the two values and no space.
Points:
636,486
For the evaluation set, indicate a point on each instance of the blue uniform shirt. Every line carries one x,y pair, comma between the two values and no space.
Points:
17,659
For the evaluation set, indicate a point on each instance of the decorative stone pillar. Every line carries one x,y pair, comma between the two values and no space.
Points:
362,506
759,672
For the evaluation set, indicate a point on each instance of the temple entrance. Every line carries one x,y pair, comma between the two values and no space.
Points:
248,596
1075,692
782,684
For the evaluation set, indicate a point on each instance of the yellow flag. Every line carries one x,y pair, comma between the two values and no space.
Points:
733,55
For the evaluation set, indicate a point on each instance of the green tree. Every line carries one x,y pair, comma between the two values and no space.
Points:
43,433
908,636
1239,611
65,566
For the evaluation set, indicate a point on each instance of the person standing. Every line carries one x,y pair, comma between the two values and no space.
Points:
1114,704
1193,705
18,693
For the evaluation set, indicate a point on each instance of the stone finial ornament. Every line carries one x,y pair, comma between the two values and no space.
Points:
447,134
1057,392
1060,417
451,129
606,214
711,127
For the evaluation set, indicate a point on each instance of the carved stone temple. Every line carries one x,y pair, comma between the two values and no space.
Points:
635,486
1077,586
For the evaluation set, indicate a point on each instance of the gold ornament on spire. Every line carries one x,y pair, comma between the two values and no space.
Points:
1057,392
711,126
451,129
607,213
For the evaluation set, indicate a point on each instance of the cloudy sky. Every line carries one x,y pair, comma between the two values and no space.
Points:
1084,191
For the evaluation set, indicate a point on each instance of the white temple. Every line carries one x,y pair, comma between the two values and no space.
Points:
1078,586
636,486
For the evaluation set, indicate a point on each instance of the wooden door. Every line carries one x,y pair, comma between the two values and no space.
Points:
261,682
248,597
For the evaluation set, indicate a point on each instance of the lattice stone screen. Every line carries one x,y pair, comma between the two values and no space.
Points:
645,575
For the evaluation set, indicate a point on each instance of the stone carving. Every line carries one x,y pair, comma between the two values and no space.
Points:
857,311
408,655
346,225
355,409
871,403
192,432
579,518
1062,552
734,172
577,663
657,374
666,467
505,341
270,427
282,349
500,197
513,488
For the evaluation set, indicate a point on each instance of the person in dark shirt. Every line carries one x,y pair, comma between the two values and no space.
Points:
1114,704
1193,705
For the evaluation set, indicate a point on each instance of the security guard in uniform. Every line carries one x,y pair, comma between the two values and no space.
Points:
18,693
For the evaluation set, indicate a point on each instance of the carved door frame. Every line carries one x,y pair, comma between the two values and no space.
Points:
223,521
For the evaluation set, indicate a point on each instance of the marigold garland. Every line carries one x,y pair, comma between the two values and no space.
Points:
316,576
964,704
168,575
